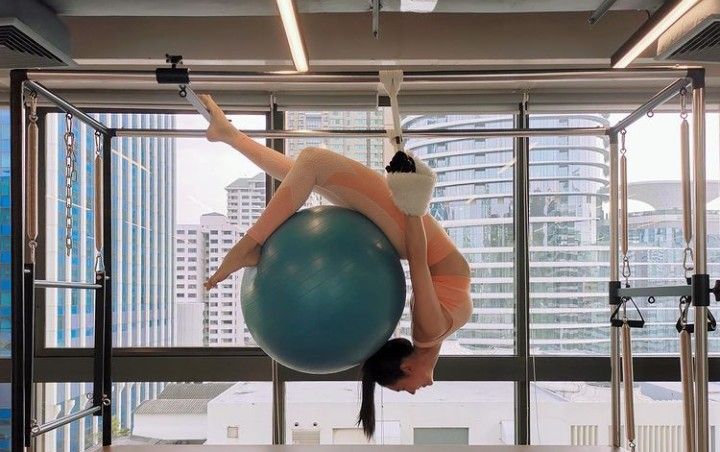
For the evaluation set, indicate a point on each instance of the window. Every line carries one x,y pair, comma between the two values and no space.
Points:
232,432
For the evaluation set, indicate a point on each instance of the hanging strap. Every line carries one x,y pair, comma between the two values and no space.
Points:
31,175
99,204
628,380
686,182
391,81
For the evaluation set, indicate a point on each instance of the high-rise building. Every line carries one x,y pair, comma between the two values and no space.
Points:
246,200
5,295
200,250
143,217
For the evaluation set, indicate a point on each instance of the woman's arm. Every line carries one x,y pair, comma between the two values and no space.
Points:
427,313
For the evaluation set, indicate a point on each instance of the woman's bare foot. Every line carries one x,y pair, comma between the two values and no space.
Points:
220,129
249,259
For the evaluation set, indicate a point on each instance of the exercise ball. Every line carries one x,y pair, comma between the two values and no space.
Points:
328,291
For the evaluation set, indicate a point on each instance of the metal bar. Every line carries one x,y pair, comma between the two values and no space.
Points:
376,19
43,284
600,11
274,120
701,313
99,341
615,369
660,98
18,350
107,286
209,77
661,291
373,133
29,306
522,275
52,425
69,368
66,106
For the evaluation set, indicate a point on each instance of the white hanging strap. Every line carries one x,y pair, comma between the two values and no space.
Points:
391,81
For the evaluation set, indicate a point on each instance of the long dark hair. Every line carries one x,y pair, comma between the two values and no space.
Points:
383,368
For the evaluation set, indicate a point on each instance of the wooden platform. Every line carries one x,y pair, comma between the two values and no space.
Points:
359,448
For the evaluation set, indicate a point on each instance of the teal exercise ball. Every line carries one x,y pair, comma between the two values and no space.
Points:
328,291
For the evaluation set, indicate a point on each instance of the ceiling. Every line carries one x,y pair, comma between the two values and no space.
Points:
247,35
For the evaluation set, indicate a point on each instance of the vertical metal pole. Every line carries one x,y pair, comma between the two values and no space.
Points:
522,276
276,119
700,297
17,258
615,368
107,289
29,306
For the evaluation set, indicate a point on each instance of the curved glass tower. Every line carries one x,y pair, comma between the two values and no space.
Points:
473,200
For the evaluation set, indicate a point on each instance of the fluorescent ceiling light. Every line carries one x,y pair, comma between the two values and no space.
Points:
650,32
292,31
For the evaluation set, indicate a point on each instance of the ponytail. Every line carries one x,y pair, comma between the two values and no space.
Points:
367,408
383,368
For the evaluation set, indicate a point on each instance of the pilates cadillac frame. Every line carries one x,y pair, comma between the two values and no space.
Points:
24,82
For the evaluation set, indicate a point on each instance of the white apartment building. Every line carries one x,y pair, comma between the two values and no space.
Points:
246,200
200,250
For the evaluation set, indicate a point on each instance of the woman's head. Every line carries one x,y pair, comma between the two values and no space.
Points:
389,367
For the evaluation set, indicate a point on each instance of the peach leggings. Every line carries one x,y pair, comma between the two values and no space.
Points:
350,184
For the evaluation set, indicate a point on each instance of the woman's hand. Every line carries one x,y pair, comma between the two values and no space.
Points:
415,240
220,129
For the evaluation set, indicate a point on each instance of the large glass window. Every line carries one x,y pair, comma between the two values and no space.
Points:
160,413
173,199
5,321
569,231
577,414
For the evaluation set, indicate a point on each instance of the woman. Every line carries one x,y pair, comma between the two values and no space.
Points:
438,272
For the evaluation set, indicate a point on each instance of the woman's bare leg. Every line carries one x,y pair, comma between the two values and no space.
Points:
289,197
274,163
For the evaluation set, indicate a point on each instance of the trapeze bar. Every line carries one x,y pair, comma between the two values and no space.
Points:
66,106
42,284
377,133
661,291
52,425
449,77
660,98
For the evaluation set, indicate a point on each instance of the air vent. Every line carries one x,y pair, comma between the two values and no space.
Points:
18,50
31,36
705,46
305,436
695,36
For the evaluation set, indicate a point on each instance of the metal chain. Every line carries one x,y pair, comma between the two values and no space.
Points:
623,150
70,178
683,103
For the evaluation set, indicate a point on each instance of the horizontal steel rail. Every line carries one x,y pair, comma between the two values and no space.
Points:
43,284
449,77
375,133
661,291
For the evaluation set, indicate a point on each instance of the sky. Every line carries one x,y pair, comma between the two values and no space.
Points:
204,169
